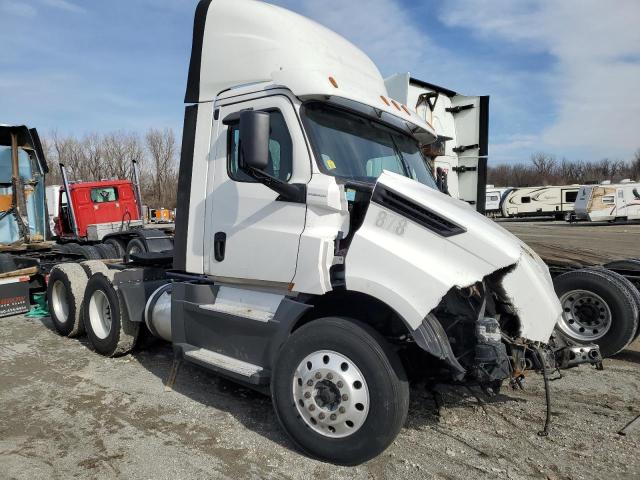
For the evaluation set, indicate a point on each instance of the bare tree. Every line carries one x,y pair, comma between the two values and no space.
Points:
161,145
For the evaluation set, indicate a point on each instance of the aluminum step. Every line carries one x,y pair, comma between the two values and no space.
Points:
202,355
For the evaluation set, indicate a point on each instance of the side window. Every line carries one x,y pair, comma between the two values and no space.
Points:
570,197
280,151
526,199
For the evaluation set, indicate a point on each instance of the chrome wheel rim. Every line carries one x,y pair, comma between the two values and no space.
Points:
585,315
331,394
59,301
100,314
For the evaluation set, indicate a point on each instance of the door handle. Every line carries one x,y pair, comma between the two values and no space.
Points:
219,245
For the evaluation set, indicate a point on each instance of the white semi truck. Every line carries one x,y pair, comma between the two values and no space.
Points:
314,258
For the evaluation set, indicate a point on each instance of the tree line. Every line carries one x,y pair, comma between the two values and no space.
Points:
545,169
95,157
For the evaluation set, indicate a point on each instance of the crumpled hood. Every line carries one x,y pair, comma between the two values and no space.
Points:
404,256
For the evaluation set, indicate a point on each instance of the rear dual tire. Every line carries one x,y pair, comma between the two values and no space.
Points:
340,391
106,322
599,306
65,292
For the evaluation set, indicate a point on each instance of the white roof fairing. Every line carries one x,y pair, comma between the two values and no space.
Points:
248,41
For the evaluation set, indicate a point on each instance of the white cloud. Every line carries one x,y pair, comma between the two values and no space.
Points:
593,86
17,8
64,5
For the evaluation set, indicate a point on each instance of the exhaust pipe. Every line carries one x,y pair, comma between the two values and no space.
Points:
70,209
136,184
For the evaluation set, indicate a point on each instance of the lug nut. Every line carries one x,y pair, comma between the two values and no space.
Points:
333,416
312,408
307,395
340,384
310,383
321,416
342,409
329,376
318,375
345,397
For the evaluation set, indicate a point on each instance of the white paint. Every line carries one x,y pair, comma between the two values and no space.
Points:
412,271
462,128
200,167
262,234
247,42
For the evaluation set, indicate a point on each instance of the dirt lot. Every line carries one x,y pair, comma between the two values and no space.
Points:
578,243
67,412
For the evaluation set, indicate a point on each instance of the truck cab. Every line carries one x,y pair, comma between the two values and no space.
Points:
94,204
315,257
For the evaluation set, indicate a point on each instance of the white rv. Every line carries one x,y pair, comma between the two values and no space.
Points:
556,201
609,202
494,199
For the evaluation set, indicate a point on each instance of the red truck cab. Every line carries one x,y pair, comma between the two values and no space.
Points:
94,203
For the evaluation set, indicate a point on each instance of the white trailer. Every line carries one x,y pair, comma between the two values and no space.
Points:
494,198
315,258
556,201
609,202
458,155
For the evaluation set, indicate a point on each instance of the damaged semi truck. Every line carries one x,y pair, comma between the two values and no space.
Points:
315,259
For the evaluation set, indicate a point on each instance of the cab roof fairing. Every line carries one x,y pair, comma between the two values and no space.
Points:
240,42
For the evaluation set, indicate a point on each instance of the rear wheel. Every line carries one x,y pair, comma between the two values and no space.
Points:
339,391
65,291
108,327
106,251
117,245
135,246
598,308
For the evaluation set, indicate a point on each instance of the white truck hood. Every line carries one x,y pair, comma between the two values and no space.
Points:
416,243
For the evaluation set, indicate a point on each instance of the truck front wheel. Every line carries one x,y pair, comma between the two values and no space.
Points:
340,391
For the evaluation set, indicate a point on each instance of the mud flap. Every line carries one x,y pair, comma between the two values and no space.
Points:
431,337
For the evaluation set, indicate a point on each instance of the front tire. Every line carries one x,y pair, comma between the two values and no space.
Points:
340,391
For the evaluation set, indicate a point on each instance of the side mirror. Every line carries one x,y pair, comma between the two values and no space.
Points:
254,139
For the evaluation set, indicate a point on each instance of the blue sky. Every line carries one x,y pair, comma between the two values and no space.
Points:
563,77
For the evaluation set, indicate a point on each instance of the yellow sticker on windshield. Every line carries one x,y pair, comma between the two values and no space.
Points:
330,164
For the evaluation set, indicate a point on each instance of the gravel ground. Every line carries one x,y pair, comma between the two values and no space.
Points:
67,412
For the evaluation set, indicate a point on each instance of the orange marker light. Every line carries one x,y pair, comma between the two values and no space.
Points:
404,107
395,104
385,100
333,82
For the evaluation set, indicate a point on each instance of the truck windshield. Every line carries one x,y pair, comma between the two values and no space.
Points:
355,147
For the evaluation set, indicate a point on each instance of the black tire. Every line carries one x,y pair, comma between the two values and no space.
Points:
75,249
94,266
135,245
383,375
7,263
102,301
106,251
117,245
618,298
632,264
90,252
65,293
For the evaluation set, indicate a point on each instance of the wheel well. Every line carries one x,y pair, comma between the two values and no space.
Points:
359,306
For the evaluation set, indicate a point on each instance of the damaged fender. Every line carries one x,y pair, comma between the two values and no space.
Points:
415,244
